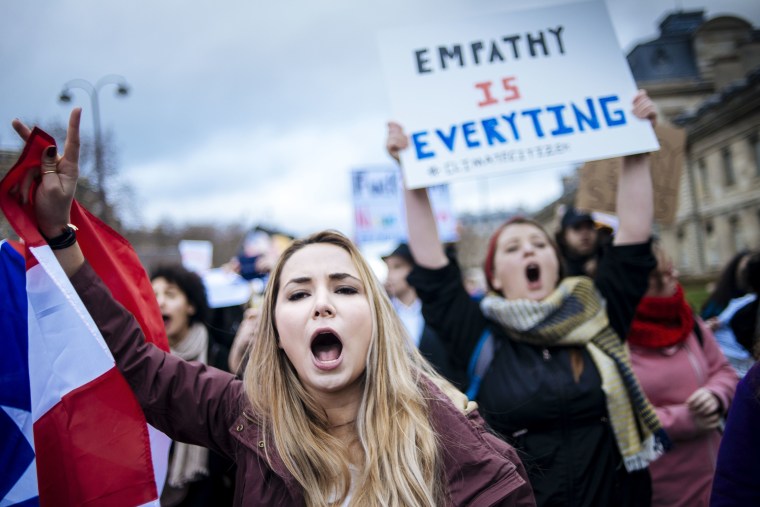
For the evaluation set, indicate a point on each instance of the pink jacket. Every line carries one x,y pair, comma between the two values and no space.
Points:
683,476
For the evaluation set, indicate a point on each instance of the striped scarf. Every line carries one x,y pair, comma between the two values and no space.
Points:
575,315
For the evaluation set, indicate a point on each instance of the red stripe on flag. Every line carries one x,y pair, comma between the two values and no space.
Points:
117,264
97,449
74,466
21,216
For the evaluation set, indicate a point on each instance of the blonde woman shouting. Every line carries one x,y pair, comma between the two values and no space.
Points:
334,408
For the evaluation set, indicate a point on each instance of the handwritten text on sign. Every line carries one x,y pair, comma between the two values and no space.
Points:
511,91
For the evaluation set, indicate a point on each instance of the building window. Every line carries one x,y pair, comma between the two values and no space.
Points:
683,256
754,143
702,169
736,235
728,167
661,59
711,247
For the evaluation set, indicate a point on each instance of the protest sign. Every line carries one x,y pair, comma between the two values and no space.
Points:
379,206
597,188
197,255
510,91
225,288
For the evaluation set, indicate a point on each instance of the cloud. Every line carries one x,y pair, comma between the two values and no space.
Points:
249,110
298,178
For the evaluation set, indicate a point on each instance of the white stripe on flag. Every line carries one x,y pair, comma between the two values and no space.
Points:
61,334
159,450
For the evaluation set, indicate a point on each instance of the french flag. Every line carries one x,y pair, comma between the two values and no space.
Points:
71,431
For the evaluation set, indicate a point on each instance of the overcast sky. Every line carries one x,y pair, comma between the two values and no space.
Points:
251,111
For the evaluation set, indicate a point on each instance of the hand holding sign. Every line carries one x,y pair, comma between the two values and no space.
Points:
644,108
397,140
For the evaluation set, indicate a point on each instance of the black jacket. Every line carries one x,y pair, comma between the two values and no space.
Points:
437,354
529,395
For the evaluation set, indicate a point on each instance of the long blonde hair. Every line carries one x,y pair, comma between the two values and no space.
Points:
401,460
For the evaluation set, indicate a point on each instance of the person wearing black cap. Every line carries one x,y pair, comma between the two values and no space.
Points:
579,242
409,309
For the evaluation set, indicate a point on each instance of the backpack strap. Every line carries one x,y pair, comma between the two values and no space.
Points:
479,363
698,333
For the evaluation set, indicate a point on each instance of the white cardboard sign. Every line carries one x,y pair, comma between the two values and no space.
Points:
511,90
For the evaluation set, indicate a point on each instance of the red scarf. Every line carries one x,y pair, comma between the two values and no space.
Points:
662,321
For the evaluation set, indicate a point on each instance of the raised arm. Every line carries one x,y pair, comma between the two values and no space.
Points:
424,242
186,400
55,192
635,200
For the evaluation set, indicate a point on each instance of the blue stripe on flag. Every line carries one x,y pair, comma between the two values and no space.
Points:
14,363
16,453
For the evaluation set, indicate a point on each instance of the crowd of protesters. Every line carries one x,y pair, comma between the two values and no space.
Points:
732,293
589,379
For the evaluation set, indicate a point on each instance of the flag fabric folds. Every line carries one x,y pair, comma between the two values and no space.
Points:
71,430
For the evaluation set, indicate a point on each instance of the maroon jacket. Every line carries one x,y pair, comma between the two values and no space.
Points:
193,403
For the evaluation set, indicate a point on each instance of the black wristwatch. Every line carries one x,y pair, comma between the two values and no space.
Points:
67,238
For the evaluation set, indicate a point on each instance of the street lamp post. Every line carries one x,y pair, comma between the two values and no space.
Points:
93,90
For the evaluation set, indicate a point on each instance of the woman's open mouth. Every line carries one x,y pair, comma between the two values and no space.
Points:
533,274
327,349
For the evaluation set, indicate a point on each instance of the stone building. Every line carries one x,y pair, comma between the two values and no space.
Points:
719,202
7,159
474,231
704,76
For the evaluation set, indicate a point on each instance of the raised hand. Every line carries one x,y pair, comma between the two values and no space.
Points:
644,108
57,177
635,200
57,181
397,140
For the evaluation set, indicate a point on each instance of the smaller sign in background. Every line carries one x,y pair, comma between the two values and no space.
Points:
597,189
379,211
196,255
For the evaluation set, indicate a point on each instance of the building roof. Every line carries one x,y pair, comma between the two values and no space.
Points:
671,55
720,98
